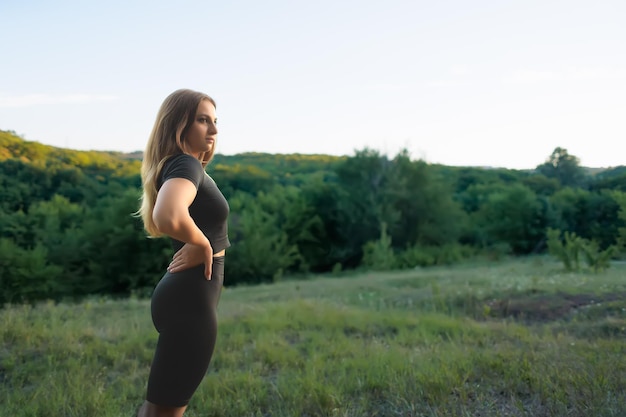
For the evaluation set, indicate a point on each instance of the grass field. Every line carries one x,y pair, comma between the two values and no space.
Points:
508,338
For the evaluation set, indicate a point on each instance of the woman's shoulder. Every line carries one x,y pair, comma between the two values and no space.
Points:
182,166
182,159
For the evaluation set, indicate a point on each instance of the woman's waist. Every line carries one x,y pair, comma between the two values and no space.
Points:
221,246
218,262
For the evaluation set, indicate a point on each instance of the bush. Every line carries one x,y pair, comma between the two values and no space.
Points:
567,251
26,275
596,259
570,248
378,254
418,255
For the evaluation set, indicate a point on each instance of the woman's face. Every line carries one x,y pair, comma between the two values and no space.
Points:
203,132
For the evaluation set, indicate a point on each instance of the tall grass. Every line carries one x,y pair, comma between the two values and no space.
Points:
513,338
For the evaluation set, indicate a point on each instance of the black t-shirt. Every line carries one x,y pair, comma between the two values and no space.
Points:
209,210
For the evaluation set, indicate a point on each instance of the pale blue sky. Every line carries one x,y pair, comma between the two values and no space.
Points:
458,82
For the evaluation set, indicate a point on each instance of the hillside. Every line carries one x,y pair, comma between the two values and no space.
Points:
37,154
14,147
67,227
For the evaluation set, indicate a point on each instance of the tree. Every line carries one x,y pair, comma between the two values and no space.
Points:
590,215
403,194
422,209
620,198
26,274
360,203
541,184
564,167
514,216
261,251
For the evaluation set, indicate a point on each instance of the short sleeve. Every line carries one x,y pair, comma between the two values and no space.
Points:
182,166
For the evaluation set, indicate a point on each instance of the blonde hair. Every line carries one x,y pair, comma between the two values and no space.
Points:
175,117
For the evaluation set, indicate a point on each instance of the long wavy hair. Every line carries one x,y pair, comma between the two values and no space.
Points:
175,117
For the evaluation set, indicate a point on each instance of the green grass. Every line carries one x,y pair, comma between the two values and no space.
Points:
512,338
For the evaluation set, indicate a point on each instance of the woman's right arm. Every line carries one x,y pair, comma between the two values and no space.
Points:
171,217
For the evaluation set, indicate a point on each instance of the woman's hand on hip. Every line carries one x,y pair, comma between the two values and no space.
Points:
192,255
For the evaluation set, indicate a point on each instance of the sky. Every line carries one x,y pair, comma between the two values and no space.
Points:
455,82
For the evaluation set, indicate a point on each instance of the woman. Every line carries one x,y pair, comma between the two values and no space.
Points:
181,201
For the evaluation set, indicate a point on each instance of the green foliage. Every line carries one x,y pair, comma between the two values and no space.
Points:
609,179
425,256
426,212
336,269
462,178
404,194
598,260
281,165
513,215
620,198
475,196
69,213
563,167
26,274
238,177
569,251
361,202
542,185
119,256
51,157
378,255
591,215
296,217
262,251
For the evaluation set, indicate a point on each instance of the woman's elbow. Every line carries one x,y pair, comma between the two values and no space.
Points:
166,224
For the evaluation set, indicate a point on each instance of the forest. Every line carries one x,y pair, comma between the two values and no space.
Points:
68,229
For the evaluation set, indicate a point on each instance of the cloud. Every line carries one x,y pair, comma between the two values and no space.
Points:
389,87
460,70
47,99
572,74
